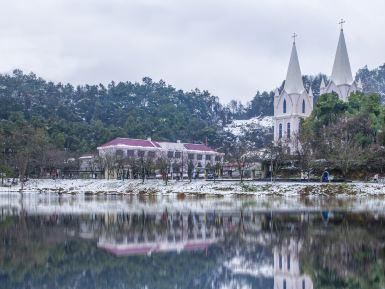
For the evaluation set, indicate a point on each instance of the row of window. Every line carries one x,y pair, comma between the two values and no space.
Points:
284,285
170,154
288,130
303,106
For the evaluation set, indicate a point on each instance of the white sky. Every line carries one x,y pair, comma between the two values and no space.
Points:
231,48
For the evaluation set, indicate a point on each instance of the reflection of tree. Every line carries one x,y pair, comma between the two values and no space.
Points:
346,257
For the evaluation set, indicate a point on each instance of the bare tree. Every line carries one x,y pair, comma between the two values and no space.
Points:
108,161
163,163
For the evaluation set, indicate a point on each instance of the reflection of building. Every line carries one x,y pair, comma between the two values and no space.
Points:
148,244
287,274
178,233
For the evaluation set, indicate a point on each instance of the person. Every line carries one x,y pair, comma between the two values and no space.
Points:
375,178
325,176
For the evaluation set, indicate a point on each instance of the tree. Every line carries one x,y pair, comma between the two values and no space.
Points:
108,161
163,163
344,134
239,151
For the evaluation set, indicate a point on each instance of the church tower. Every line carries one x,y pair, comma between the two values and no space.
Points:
291,104
341,80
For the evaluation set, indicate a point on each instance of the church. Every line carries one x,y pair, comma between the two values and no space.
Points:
294,102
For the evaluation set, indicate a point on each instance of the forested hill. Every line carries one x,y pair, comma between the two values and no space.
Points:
81,118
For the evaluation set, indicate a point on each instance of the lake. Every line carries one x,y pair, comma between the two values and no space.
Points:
154,242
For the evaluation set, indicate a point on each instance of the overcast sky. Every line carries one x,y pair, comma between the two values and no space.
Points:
231,48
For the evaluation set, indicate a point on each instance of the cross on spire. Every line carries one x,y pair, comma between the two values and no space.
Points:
294,36
342,21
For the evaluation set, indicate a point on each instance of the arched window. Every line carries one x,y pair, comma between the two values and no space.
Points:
303,284
303,106
288,130
280,131
284,284
284,106
288,262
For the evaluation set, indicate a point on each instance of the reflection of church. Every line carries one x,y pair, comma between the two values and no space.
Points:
287,273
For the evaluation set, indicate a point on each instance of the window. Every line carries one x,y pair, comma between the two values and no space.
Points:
119,154
190,156
217,158
303,284
303,106
288,130
151,155
280,261
170,154
199,157
284,284
288,262
208,157
130,153
178,155
141,153
284,106
280,131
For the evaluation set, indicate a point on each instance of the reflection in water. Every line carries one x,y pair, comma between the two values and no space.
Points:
213,249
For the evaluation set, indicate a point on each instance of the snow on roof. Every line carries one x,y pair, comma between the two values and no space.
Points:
130,142
177,146
198,147
141,143
87,156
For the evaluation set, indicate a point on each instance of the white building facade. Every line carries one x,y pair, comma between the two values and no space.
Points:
341,80
294,102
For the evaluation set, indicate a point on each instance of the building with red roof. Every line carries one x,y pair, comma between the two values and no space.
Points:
180,155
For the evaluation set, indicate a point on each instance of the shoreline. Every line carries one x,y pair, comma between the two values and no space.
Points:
196,187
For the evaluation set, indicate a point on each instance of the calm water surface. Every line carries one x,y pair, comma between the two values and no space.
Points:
154,246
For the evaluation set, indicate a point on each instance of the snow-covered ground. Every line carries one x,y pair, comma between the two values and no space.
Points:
80,196
238,127
228,187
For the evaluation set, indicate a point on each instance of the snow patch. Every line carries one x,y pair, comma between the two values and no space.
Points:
238,127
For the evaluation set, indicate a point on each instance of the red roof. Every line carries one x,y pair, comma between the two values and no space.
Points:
153,144
198,147
131,142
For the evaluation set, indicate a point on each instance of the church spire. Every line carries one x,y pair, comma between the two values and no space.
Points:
293,82
342,73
